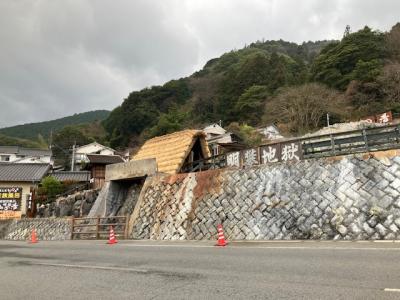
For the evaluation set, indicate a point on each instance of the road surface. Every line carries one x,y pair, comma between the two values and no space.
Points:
198,270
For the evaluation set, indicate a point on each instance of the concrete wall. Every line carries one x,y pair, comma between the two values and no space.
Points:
132,169
46,229
352,197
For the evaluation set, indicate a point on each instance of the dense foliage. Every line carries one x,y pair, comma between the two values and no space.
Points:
50,187
33,130
12,141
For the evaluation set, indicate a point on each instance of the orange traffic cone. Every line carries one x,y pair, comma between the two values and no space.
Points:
112,239
221,237
33,237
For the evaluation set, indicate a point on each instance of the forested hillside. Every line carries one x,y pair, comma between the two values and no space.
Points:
41,130
291,85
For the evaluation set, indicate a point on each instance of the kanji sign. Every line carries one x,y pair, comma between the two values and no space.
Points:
250,157
233,159
291,151
384,118
10,198
370,119
270,154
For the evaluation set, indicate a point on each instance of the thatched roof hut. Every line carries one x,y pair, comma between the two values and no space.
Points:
172,151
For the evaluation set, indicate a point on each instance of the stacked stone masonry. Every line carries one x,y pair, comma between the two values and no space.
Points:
46,229
348,198
77,205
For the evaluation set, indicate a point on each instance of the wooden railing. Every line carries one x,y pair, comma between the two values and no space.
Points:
99,227
343,143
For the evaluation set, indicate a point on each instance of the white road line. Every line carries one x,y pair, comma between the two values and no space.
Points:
91,267
264,247
392,290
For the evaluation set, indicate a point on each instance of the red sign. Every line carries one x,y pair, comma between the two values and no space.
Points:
370,119
384,118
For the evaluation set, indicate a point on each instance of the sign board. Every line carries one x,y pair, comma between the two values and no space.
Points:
384,118
233,159
10,202
370,119
290,151
270,153
250,157
10,215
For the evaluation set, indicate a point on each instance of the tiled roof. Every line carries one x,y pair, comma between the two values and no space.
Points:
171,150
24,151
104,159
23,172
9,149
78,176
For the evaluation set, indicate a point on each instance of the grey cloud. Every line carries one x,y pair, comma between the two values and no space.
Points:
62,57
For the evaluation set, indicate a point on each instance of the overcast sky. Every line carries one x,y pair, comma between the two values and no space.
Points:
63,57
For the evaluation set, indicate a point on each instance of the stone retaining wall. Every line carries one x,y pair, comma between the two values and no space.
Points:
46,229
352,197
77,205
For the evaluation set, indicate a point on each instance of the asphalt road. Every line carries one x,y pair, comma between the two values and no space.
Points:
197,270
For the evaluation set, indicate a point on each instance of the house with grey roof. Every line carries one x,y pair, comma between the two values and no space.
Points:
16,154
17,183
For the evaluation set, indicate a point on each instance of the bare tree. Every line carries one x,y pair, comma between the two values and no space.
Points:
393,42
389,81
304,108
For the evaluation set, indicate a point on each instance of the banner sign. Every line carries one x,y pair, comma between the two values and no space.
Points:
10,198
282,152
382,118
9,214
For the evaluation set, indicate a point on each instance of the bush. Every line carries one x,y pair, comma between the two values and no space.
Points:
50,187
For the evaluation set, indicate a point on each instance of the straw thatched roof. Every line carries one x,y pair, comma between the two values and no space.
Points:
171,150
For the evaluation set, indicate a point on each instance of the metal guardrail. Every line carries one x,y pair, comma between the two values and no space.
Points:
335,144
98,228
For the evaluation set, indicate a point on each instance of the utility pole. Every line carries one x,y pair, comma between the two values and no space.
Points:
51,139
73,157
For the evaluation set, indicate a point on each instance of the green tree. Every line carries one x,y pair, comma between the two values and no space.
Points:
169,122
50,187
248,134
335,64
249,107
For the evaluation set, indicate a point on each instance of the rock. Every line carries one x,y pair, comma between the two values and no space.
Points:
381,230
342,230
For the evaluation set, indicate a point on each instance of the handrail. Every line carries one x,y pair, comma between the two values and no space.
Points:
119,222
331,144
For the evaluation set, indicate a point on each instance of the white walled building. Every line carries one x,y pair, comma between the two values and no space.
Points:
92,148
16,154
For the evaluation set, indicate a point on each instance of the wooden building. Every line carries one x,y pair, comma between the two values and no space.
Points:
97,166
175,150
18,182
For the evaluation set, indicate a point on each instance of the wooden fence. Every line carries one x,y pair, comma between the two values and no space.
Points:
99,227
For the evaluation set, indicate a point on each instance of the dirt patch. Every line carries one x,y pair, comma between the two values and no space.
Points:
207,182
176,178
